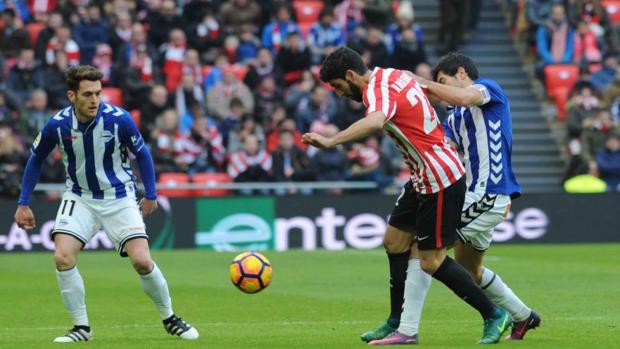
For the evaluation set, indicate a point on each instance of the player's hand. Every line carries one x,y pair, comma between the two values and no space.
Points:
316,140
147,206
25,218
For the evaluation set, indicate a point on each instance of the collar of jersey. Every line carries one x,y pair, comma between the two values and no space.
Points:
374,71
75,122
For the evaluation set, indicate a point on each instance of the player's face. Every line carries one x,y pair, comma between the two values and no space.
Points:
345,88
446,79
86,99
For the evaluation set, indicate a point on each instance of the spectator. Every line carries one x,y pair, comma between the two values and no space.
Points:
267,96
9,112
260,68
54,81
103,61
451,26
236,13
538,13
608,162
174,56
189,101
151,110
276,32
330,164
34,116
409,52
405,21
120,34
246,127
252,164
349,112
555,40
350,15
172,154
205,144
365,163
325,35
62,41
596,131
293,59
192,66
137,42
54,21
90,32
138,78
219,97
285,125
299,91
607,74
290,163
216,72
248,45
70,11
319,106
587,50
231,122
593,12
163,22
375,52
611,97
205,34
11,161
24,77
582,105
13,37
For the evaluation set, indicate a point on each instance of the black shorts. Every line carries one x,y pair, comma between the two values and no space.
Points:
434,217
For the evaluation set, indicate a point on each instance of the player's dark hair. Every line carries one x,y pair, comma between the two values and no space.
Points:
338,62
75,74
450,63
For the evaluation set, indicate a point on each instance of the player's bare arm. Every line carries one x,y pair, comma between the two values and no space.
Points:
358,130
464,96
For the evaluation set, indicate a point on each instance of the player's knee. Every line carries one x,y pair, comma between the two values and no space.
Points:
430,264
64,260
143,265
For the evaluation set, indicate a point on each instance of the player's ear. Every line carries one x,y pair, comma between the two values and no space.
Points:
461,74
71,95
350,75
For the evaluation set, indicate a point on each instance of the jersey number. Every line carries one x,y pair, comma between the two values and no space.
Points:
64,207
415,96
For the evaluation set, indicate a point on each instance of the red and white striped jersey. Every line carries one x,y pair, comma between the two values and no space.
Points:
240,161
412,123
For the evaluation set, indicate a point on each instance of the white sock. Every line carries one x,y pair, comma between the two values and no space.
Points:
155,286
416,287
72,293
503,296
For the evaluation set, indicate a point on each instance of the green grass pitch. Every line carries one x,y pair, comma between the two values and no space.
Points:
316,300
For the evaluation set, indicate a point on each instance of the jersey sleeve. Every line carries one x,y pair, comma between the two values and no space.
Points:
45,141
130,135
448,128
490,91
379,96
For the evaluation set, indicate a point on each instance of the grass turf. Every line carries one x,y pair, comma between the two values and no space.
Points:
316,300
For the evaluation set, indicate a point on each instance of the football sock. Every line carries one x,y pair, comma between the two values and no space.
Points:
416,287
72,293
460,282
398,274
155,286
503,296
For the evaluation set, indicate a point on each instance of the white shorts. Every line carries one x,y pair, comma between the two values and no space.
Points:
82,218
482,212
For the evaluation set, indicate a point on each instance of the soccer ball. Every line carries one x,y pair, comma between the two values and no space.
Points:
251,272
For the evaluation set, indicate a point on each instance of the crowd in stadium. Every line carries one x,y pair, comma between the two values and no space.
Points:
584,37
230,86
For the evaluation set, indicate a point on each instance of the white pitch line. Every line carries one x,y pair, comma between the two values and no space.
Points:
282,323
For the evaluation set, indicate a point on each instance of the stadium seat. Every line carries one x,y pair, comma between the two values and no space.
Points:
307,11
136,116
172,179
210,178
34,29
112,95
613,10
559,80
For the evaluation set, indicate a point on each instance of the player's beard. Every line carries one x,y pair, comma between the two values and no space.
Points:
356,93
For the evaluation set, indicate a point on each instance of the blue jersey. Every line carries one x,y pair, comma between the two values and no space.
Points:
95,154
483,135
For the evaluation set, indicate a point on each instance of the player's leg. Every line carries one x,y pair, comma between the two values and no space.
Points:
416,287
74,226
475,238
123,224
397,242
439,215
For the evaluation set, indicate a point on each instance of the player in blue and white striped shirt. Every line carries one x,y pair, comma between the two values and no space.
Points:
94,139
480,127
